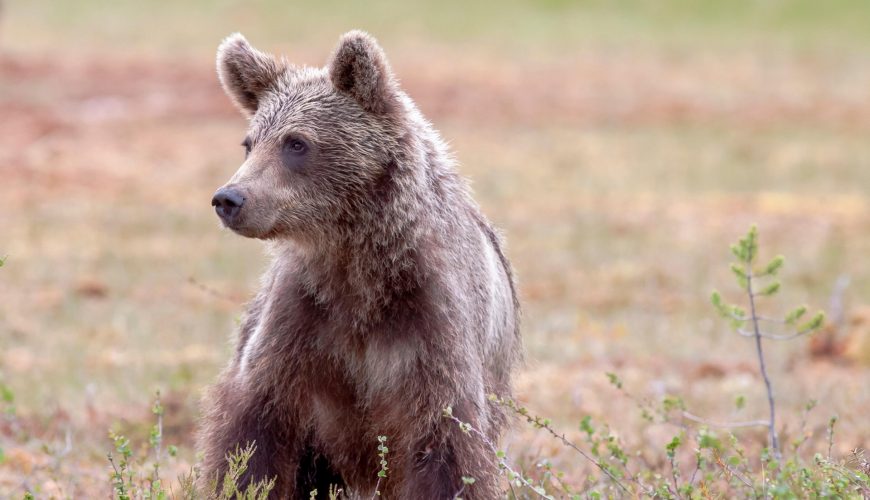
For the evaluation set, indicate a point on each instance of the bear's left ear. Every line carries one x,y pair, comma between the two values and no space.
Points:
359,68
246,73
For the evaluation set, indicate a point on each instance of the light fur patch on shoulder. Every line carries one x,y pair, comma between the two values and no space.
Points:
250,348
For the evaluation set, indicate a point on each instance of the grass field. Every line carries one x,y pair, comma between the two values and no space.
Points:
620,145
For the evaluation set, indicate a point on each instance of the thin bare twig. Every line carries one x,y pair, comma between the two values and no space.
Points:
675,473
774,440
378,489
211,291
561,437
772,336
695,472
837,305
466,427
731,471
803,427
760,318
724,425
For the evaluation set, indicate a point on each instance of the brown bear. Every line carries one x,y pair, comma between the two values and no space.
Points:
388,298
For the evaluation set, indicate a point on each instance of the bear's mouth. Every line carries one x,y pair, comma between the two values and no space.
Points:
237,226
240,226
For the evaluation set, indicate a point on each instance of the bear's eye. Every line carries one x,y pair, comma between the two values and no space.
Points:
294,152
295,146
247,145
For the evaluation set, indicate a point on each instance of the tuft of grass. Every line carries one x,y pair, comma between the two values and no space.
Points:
132,478
238,461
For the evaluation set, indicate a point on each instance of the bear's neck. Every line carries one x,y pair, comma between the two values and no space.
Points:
358,282
390,250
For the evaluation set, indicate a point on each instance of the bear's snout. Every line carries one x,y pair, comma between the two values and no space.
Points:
227,203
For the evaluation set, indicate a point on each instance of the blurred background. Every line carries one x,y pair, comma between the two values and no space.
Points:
620,145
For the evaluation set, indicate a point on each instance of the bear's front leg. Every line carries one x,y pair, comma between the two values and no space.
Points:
438,460
237,418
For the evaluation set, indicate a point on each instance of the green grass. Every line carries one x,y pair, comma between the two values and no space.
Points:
517,25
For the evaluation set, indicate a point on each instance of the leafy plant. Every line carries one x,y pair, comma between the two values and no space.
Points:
752,281
129,482
382,455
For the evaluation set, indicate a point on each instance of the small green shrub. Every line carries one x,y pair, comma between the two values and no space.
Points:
750,279
133,479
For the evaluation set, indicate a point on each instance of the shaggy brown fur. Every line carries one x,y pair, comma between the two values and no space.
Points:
388,297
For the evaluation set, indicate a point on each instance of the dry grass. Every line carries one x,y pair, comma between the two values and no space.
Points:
619,171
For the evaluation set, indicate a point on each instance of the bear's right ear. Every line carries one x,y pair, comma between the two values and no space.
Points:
360,69
246,73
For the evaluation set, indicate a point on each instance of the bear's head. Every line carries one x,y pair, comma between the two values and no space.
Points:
320,140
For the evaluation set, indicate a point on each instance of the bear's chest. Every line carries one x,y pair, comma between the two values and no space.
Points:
313,346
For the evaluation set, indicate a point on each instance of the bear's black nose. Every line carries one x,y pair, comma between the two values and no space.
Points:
227,202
